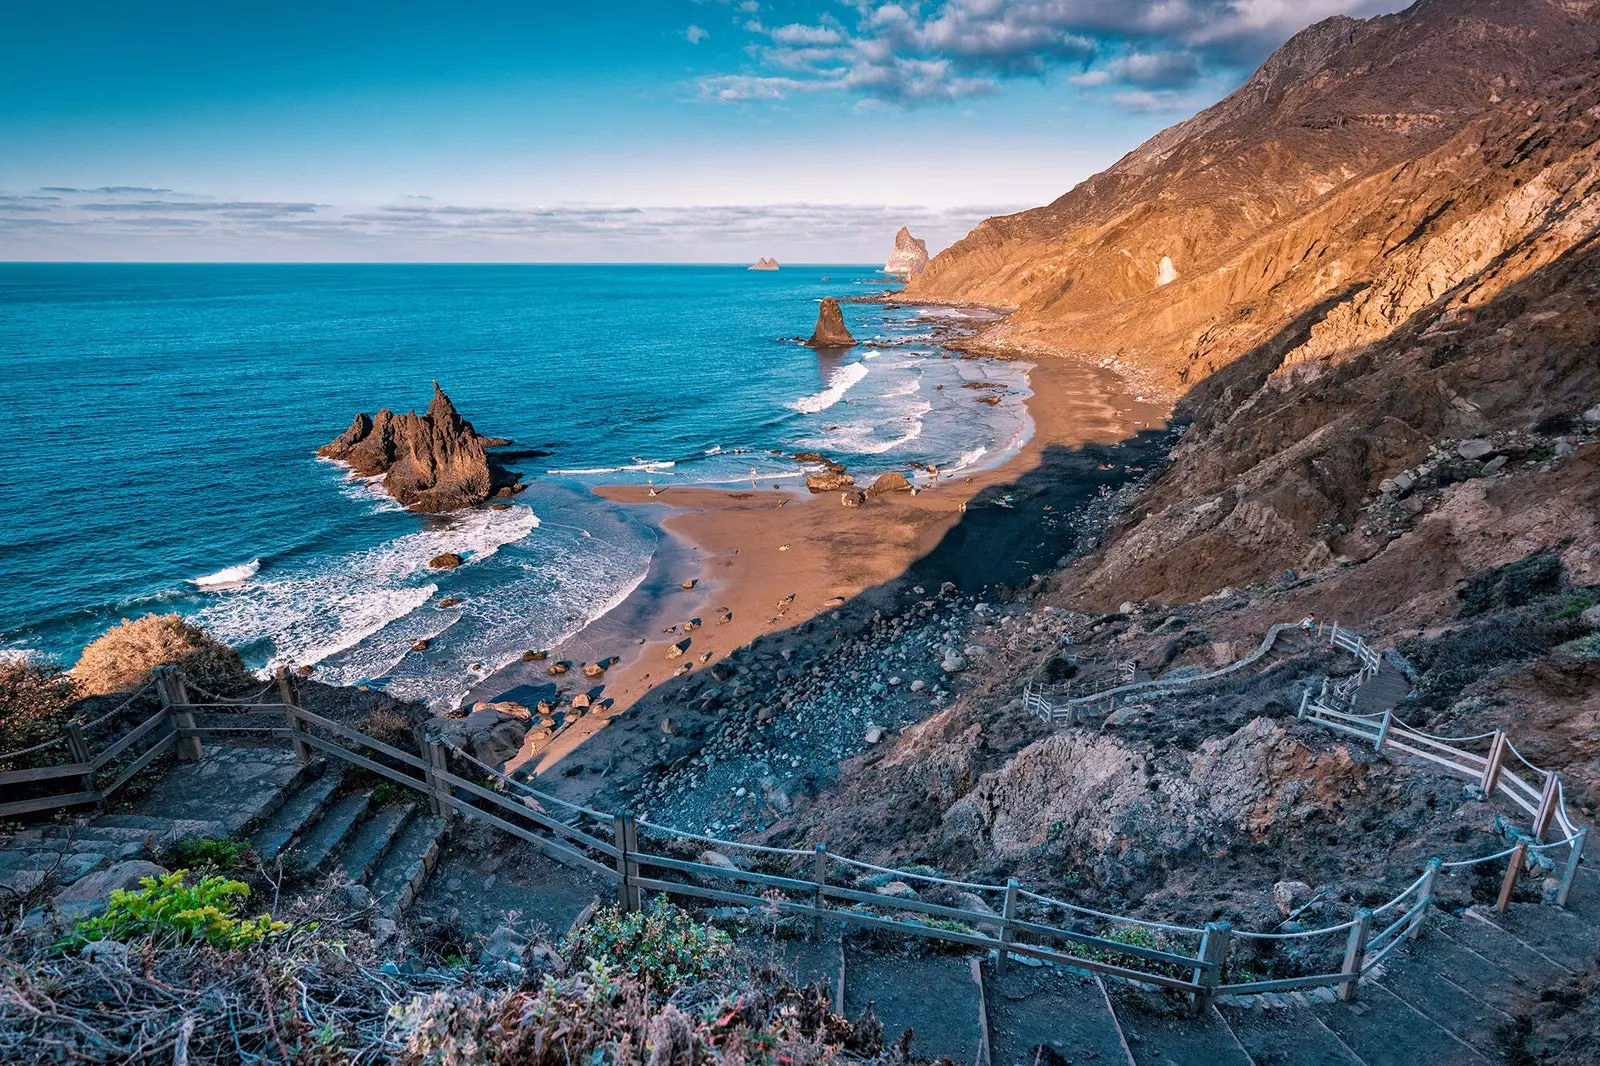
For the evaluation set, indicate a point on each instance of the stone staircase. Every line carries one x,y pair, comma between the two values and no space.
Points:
300,813
1382,691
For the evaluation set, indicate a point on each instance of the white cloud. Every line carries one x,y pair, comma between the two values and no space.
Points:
696,34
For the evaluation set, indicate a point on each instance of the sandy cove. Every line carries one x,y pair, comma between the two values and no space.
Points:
775,559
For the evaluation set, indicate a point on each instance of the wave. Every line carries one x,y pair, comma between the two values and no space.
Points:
859,437
230,577
653,467
843,380
966,460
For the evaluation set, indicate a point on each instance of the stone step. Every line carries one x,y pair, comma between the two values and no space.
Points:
317,846
372,840
934,995
238,787
1458,964
1161,1031
28,868
1048,1007
1386,1031
297,813
1560,936
1286,1034
406,867
809,962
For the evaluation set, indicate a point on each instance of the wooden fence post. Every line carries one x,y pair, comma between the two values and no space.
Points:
1305,699
286,693
442,795
1383,731
1355,950
1214,956
1425,896
1570,874
1491,771
1519,855
627,840
78,749
1547,804
1007,913
175,699
819,874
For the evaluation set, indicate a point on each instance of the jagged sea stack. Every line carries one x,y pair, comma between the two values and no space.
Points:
910,256
432,463
830,331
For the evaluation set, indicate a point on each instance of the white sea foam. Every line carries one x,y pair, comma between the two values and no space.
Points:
227,578
967,459
633,468
332,605
862,437
843,380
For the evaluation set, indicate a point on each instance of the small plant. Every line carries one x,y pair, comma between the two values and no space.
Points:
392,794
219,853
166,909
662,945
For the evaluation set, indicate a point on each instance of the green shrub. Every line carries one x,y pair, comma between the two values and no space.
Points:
222,853
166,909
1513,585
662,945
392,794
1585,648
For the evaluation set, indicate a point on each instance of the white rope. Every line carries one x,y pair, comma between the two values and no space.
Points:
119,708
1406,892
232,699
679,834
1512,748
1295,936
909,876
1480,859
1111,917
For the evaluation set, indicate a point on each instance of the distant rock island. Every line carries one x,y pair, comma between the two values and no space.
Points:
910,256
432,463
830,331
764,264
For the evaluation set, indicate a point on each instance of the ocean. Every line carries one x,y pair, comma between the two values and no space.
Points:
161,424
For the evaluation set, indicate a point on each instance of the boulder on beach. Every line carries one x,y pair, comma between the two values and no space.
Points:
764,264
829,481
431,463
830,331
893,481
910,256
488,734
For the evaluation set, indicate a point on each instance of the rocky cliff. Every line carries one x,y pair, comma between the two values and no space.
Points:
1367,166
763,264
910,256
830,331
432,463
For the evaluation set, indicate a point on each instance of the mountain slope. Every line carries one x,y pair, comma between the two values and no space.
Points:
1207,239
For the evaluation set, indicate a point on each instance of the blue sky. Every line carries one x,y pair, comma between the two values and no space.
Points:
606,130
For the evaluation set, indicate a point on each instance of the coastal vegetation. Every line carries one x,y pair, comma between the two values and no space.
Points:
124,656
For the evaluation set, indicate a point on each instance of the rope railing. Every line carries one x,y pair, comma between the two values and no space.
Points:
118,709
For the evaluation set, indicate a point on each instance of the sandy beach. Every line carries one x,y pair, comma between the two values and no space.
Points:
740,563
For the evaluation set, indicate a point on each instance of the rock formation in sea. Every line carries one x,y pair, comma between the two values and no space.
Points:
910,256
431,463
830,331
764,264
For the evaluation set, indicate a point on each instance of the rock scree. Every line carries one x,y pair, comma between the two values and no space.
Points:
431,463
830,331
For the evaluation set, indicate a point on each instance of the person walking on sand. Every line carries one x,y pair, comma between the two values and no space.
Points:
753,478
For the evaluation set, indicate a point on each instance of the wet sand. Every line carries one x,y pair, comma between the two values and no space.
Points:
774,559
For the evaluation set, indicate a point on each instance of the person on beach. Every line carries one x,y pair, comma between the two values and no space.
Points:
753,484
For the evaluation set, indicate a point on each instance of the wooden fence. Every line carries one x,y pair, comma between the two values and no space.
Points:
818,886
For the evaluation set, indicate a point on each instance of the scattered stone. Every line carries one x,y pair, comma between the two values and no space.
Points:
675,651
447,561
918,685
557,669
450,601
953,663
88,895
892,482
1474,449
593,670
1289,895
1493,466
535,656
421,645
717,859
1592,415
873,734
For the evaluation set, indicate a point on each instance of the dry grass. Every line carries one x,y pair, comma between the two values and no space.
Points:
35,697
123,657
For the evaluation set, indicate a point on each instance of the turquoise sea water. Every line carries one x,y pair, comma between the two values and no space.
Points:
161,423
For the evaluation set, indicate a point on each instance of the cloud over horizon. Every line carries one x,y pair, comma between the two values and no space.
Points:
71,222
912,52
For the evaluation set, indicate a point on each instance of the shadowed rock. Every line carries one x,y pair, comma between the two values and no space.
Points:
830,331
431,463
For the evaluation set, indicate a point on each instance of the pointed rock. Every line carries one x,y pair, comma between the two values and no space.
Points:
830,331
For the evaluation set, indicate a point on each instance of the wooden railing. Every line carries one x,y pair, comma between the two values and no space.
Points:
820,886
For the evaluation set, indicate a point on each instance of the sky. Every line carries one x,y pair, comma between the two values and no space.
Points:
586,131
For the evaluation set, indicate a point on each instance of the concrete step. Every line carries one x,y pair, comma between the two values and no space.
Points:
809,962
1286,1035
1454,962
1560,936
1411,975
238,787
372,840
1384,1030
303,807
934,995
1161,1032
1046,1007
316,847
405,868
1526,968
